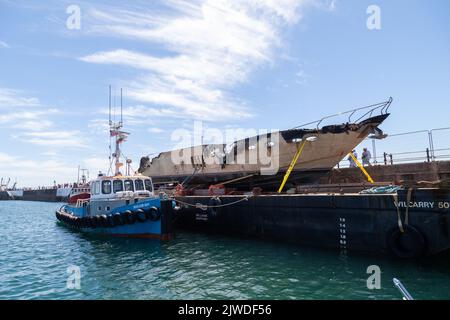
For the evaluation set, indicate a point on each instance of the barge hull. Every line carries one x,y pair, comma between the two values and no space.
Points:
356,222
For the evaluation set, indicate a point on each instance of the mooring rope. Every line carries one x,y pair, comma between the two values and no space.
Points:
408,200
199,205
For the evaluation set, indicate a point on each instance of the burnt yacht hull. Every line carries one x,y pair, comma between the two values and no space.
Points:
210,164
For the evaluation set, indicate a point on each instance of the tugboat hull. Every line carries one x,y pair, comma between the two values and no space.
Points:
148,219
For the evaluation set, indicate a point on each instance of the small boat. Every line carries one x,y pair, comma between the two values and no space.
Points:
119,205
122,206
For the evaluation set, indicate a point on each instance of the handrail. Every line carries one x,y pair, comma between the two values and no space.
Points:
80,202
384,106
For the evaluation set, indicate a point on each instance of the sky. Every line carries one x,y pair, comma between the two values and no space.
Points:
255,64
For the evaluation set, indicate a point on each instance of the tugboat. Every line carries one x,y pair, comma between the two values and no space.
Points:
122,206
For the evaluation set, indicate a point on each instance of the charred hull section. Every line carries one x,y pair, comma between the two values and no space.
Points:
353,222
209,164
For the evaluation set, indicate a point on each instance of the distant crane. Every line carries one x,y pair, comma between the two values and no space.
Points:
4,186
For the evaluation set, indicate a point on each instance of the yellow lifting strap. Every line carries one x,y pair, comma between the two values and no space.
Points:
291,166
369,178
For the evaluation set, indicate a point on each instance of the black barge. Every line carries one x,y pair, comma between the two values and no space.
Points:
409,223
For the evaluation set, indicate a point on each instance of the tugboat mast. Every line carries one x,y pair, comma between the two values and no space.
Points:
120,136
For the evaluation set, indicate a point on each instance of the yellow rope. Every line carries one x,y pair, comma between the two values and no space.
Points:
369,178
292,165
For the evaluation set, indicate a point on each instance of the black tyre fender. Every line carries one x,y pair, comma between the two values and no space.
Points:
154,214
124,216
140,215
83,222
103,220
129,216
111,222
408,244
98,221
212,206
118,219
92,222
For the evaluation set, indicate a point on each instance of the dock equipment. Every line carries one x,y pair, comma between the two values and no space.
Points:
292,165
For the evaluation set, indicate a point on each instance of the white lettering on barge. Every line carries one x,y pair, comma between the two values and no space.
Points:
424,204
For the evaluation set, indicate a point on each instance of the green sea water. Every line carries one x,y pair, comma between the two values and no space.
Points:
38,255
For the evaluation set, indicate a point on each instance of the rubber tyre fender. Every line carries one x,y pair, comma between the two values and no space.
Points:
103,221
408,244
83,222
154,214
92,222
130,218
111,223
140,215
118,219
124,217
212,203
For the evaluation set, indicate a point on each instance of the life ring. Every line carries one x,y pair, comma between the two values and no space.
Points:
408,244
153,214
140,215
213,210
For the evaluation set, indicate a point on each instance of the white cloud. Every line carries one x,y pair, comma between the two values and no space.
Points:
96,164
155,130
4,45
12,98
214,45
64,139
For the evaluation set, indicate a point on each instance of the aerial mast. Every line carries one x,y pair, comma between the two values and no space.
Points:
120,136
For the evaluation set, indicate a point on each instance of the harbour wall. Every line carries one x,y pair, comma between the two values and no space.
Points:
424,171
382,174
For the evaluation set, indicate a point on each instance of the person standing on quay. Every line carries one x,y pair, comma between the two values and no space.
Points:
351,161
366,156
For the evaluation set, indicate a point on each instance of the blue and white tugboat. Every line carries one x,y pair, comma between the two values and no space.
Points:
122,206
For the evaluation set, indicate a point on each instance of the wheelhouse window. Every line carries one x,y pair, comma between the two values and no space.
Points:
106,186
148,185
117,186
139,184
97,187
129,185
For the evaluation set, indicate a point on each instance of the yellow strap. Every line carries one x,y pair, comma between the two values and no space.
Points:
291,166
369,178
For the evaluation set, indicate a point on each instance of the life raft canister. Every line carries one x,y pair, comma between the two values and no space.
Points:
408,244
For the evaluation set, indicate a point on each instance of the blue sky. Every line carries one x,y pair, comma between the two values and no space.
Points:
260,64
